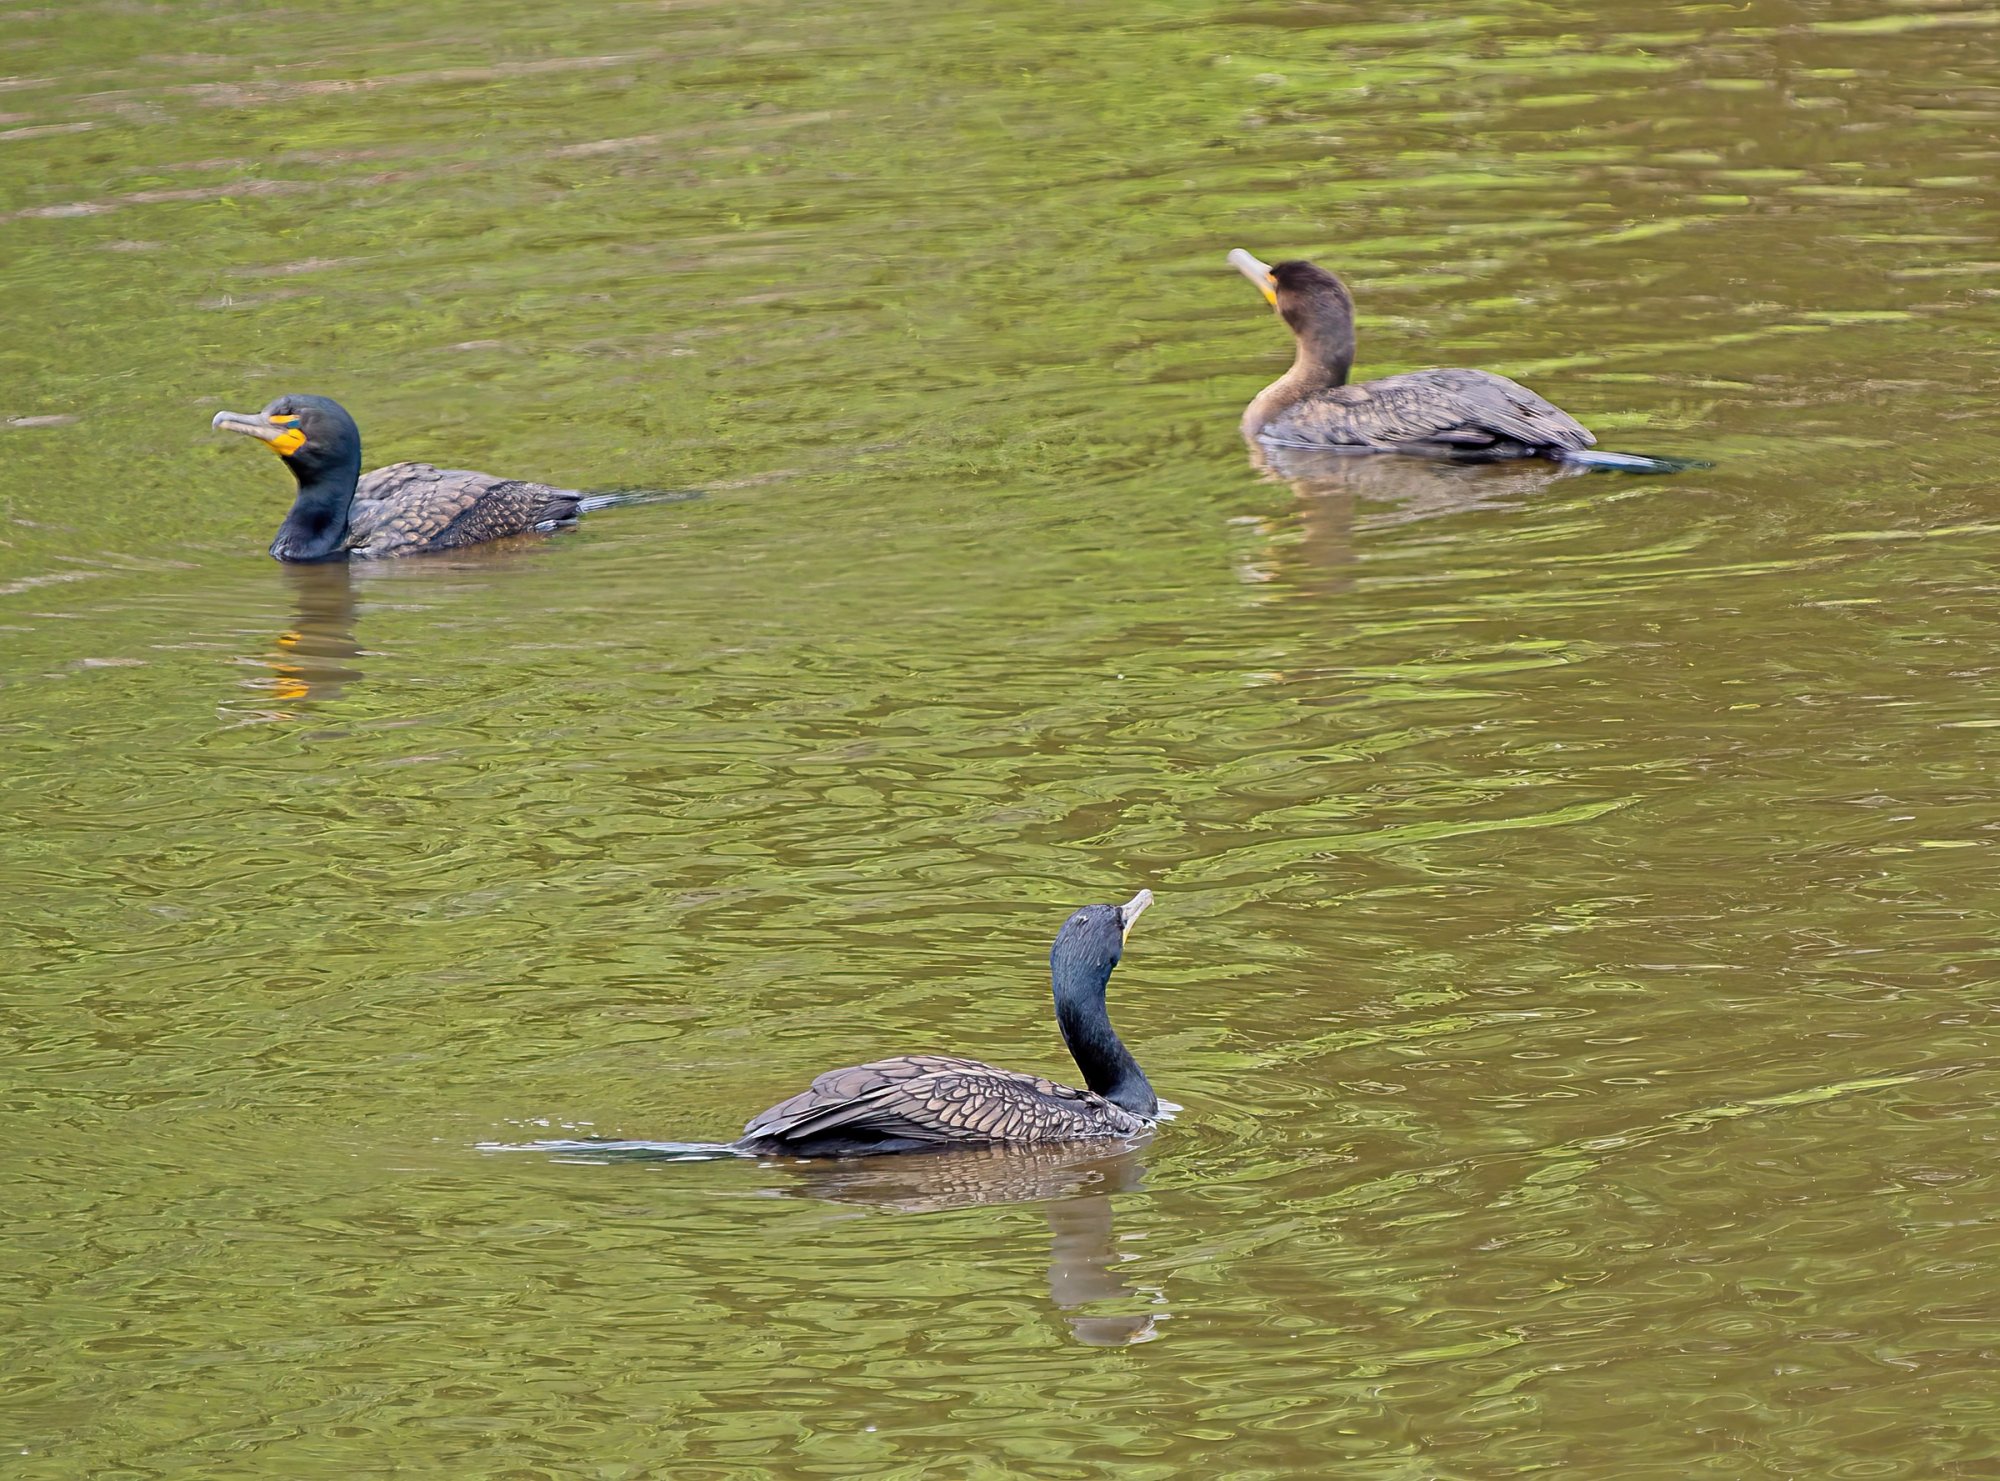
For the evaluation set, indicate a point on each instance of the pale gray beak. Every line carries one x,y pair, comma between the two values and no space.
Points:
1257,272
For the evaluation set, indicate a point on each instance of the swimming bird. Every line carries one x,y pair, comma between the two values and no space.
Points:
404,509
917,1102
1465,414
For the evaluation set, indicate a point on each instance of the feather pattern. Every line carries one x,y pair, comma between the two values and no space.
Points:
410,508
925,1099
1466,412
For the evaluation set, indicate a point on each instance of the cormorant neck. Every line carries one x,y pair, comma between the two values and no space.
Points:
1324,356
1108,1066
316,527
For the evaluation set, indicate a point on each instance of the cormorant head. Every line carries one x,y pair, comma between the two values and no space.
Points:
1092,940
1314,304
314,435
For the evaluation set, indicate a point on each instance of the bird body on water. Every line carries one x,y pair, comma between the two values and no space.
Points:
404,509
1447,413
919,1102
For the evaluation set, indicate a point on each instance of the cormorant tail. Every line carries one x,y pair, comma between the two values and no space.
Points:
611,1149
1590,457
606,498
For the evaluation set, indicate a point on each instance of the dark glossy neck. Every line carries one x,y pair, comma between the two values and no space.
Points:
1108,1066
316,527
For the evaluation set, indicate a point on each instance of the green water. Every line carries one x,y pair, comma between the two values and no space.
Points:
1575,949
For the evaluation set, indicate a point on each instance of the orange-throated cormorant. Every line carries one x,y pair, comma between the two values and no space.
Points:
404,509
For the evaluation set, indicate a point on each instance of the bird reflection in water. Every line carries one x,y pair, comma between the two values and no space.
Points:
1074,1184
315,655
1343,495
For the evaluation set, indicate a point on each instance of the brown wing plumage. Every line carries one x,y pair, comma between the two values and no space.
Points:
1446,411
409,508
931,1100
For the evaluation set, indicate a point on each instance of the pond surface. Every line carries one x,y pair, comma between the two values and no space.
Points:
1575,950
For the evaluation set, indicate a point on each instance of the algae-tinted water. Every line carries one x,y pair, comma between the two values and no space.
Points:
1575,941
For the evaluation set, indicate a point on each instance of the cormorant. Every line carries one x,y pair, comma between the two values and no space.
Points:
918,1102
1467,414
404,509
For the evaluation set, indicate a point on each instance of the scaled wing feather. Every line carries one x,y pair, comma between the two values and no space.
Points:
940,1098
1469,408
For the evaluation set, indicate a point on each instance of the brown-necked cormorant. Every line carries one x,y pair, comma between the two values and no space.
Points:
918,1102
1470,414
404,509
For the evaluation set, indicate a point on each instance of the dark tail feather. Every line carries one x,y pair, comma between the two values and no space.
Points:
1590,457
607,498
607,1149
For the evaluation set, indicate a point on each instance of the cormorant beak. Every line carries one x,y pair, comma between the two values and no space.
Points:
280,432
1258,273
1132,909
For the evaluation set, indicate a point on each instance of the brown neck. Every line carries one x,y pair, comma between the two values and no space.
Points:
1310,374
1321,318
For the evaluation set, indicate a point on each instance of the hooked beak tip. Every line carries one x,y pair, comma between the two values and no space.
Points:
283,439
236,421
1257,272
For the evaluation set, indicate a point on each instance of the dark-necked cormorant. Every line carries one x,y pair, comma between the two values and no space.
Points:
404,509
918,1102
1472,414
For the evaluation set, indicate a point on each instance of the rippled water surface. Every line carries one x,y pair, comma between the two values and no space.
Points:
1575,940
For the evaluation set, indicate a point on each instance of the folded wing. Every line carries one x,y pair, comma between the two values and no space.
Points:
926,1099
1468,411
411,507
